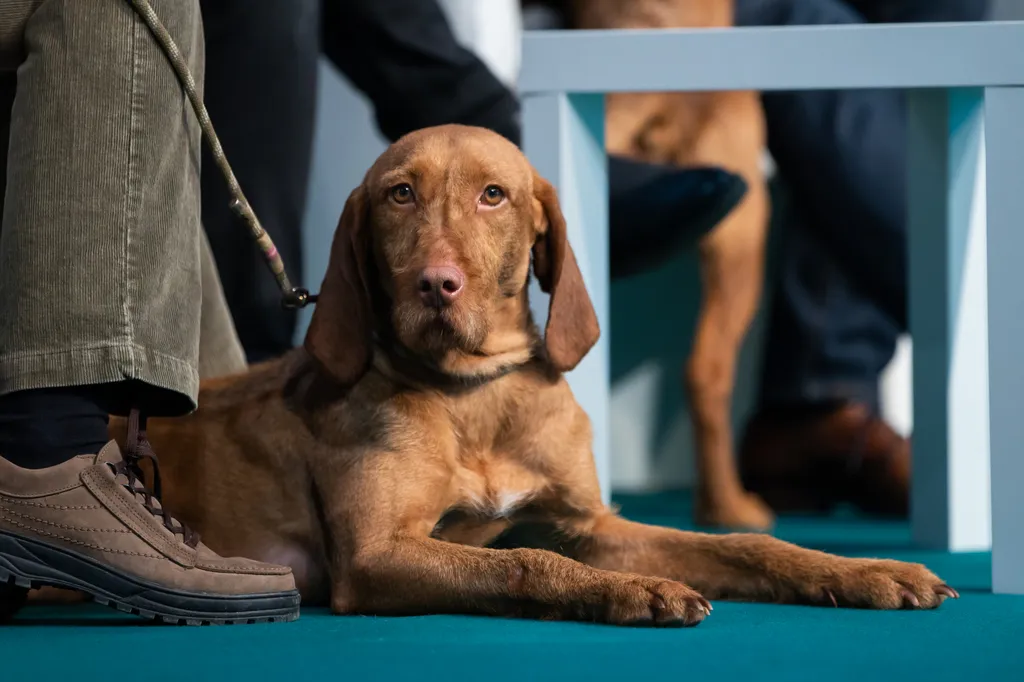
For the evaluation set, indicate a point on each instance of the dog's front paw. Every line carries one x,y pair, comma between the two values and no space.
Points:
653,601
881,584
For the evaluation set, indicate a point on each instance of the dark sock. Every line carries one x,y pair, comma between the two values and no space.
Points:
44,427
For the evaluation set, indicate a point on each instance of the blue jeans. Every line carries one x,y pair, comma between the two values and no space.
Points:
841,297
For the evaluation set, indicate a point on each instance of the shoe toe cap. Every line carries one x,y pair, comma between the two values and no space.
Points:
246,575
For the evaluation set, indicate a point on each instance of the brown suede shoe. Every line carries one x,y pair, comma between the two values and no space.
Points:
90,525
811,463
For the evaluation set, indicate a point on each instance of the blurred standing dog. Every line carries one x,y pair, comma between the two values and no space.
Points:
724,129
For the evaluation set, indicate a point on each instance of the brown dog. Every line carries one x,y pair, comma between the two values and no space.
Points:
426,420
724,129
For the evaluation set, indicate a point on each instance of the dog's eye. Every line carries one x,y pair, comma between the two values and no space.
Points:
402,194
493,195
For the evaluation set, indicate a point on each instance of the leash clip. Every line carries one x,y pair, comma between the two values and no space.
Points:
298,297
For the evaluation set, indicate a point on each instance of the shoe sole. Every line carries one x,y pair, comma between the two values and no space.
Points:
30,564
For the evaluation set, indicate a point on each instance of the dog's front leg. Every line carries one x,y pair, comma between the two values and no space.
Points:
410,576
378,516
754,567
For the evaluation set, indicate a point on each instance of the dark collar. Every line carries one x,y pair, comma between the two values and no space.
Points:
415,369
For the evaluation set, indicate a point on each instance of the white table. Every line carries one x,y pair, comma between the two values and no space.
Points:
969,422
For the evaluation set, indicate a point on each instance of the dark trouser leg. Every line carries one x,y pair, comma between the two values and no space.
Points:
827,343
842,299
841,302
841,155
261,80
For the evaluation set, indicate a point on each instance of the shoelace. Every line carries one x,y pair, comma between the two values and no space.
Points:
137,449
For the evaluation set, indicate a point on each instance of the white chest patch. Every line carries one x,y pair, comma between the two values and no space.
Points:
508,501
497,505
497,491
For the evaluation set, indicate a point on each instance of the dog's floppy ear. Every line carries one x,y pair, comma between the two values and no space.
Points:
572,327
340,334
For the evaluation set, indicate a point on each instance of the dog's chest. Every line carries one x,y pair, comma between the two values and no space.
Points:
486,500
495,488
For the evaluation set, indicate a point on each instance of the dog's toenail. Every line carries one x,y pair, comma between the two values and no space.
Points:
910,598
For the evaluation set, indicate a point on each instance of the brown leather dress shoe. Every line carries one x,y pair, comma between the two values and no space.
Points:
812,462
89,525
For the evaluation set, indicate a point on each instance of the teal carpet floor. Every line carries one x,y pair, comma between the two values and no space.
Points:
979,637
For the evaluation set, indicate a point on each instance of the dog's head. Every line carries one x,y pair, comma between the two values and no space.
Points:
433,252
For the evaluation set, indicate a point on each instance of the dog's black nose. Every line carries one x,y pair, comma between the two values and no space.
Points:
440,285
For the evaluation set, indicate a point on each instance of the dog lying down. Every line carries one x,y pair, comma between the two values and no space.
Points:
422,453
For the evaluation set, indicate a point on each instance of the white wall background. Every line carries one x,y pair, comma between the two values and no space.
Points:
651,437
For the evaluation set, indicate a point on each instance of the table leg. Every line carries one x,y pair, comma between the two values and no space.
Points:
950,502
564,139
1004,114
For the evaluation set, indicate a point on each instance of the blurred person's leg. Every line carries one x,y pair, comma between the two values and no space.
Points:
100,300
99,251
827,343
841,155
841,301
261,81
